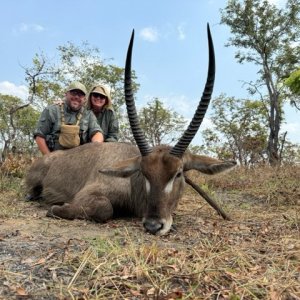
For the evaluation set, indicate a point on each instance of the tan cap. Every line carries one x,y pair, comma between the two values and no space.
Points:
76,85
100,89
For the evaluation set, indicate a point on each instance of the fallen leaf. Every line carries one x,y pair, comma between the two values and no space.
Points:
173,295
27,260
174,267
135,293
21,292
39,262
151,292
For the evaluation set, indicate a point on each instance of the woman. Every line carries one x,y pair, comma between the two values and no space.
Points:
99,101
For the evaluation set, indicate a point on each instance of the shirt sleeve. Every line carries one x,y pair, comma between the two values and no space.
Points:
44,124
113,129
94,127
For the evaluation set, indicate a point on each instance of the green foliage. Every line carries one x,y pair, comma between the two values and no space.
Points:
293,82
197,149
239,129
17,122
166,125
290,153
82,63
266,36
26,120
266,32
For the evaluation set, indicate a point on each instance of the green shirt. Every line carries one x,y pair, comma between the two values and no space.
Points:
109,124
49,125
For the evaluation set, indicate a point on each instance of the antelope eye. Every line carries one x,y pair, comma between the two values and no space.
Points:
179,174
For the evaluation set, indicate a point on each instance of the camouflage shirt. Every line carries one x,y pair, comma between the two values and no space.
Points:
49,125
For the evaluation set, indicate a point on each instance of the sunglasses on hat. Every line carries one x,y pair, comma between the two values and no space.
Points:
98,96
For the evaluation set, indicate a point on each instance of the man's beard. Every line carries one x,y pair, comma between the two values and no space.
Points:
75,107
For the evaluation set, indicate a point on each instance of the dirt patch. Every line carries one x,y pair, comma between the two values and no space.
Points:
253,256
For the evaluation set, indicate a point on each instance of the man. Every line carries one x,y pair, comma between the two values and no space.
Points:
67,125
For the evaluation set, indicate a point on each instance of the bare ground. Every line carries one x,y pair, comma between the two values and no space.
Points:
256,255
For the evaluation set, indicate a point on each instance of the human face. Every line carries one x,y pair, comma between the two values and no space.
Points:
98,101
75,99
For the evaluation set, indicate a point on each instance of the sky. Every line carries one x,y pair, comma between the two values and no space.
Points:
170,54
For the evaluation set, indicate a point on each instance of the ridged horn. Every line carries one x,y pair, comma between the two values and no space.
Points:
188,135
130,105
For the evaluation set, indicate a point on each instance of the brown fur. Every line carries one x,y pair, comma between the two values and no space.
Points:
100,181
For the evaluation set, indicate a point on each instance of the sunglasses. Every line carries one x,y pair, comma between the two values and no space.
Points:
77,93
99,96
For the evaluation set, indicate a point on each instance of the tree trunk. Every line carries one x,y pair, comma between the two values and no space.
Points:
274,116
5,150
274,124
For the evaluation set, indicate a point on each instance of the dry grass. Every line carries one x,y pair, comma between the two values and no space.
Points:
274,186
218,268
254,256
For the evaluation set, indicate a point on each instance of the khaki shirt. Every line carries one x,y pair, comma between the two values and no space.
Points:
49,125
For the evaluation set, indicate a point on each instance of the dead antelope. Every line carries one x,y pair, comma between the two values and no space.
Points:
102,181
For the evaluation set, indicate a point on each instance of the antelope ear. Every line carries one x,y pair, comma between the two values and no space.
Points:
205,164
124,168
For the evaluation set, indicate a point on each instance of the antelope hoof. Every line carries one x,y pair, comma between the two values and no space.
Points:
51,212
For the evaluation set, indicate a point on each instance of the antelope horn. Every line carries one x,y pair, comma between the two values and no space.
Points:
198,117
130,105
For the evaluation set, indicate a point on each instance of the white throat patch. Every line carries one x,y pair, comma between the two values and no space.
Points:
169,187
147,185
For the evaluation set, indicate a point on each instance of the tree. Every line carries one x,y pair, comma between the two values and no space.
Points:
239,130
17,121
267,35
160,125
82,63
18,116
41,90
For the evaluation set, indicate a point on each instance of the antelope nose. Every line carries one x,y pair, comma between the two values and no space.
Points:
153,225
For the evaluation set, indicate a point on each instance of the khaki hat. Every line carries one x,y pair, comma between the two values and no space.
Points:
76,85
100,89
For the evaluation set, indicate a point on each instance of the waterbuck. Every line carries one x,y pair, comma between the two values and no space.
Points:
101,181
